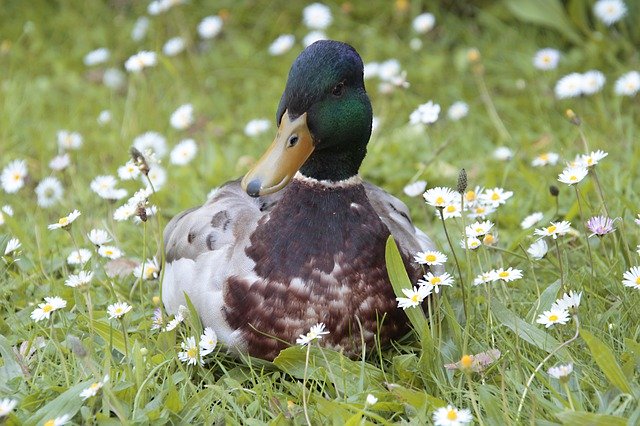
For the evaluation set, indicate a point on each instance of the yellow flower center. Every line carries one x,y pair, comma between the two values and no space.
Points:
573,178
63,221
552,229
470,195
47,308
479,230
430,258
452,415
435,280
466,361
451,208
17,176
439,200
638,281
503,274
546,59
108,252
192,352
495,196
118,311
95,386
480,210
50,423
553,317
488,239
544,157
414,298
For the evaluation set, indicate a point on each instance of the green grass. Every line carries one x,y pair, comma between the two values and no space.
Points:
45,87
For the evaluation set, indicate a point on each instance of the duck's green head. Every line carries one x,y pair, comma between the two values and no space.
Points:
324,121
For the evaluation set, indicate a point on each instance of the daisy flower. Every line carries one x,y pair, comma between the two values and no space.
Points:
503,153
102,184
13,245
172,324
451,416
153,142
495,197
592,82
573,175
93,389
97,56
435,281
208,341
7,405
416,188
485,277
425,114
125,212
184,152
151,269
593,158
439,196
141,60
478,229
58,421
110,252
569,86
158,177
210,27
69,140
430,257
538,250
544,159
13,176
423,23
568,301
457,111
79,257
189,353
609,11
451,210
65,221
561,372
44,310
531,220
628,84
118,309
60,162
554,230
471,243
546,59
317,16
174,46
371,400
158,320
182,117
257,127
631,278
312,37
414,298
480,211
600,225
509,274
104,117
49,191
98,237
282,44
315,333
140,27
129,171
489,239
553,316
81,279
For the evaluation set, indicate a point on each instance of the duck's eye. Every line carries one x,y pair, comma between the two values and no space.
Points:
293,140
338,90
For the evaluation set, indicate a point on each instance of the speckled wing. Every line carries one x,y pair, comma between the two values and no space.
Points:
395,214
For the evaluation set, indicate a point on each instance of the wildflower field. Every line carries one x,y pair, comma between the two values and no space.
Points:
509,128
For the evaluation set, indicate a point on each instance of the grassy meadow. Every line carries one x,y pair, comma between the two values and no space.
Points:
82,359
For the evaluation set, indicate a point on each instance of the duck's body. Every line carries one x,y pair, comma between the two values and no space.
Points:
261,269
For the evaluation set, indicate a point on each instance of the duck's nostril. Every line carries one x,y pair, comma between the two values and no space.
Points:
253,188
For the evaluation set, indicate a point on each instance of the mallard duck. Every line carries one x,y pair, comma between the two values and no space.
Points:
301,238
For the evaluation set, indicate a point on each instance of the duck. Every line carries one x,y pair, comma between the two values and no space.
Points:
300,239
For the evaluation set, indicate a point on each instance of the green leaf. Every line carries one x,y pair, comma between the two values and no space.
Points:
68,402
548,296
111,336
420,400
590,419
547,13
603,355
11,369
524,330
399,280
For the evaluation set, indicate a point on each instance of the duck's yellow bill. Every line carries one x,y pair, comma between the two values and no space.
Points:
288,152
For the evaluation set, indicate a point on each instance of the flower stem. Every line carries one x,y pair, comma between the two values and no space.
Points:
586,236
304,386
560,265
455,258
